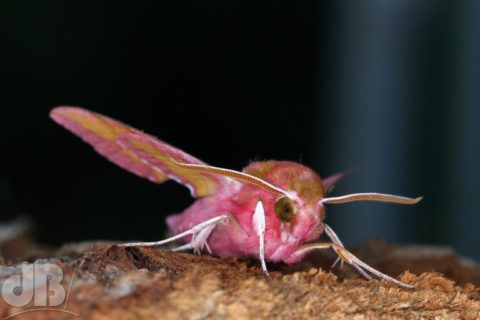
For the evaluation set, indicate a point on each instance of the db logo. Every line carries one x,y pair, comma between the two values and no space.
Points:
36,285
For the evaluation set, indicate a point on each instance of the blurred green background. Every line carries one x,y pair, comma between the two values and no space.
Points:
388,89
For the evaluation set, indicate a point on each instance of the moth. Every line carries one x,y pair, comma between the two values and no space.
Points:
271,210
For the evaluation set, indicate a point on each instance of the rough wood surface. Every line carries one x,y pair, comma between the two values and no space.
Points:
111,282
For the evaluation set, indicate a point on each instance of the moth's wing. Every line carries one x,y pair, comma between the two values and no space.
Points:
165,158
104,135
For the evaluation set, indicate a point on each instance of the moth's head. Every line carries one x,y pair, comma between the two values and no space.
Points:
293,179
299,219
297,204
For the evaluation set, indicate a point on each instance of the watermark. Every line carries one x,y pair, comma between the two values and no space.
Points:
35,287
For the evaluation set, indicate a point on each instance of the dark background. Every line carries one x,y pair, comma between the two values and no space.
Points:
389,89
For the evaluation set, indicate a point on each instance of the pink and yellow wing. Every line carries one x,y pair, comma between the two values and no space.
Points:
169,160
155,160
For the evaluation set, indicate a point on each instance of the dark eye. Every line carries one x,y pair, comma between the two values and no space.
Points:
284,209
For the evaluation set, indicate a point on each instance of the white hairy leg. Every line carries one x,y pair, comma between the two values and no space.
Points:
199,232
198,242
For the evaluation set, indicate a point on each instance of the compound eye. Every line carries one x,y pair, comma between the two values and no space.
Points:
284,209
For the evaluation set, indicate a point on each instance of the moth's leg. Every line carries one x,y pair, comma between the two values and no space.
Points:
187,246
351,259
259,227
335,239
199,240
333,236
199,232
